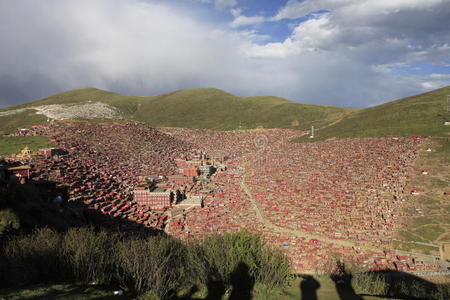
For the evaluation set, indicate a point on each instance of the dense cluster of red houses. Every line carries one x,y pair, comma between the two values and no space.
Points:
104,162
343,189
349,190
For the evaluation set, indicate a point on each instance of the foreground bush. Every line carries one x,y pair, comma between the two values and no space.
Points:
158,266
238,261
8,221
90,254
35,258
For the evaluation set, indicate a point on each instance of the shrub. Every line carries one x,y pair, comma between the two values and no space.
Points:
8,221
90,254
156,267
222,258
274,269
157,264
35,258
369,283
442,292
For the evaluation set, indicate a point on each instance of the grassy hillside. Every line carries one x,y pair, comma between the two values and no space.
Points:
422,114
194,108
26,118
215,109
126,104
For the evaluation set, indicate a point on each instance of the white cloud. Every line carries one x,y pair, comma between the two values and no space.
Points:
240,21
434,81
296,9
254,36
372,32
358,44
440,76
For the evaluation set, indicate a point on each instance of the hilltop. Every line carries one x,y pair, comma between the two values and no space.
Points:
422,115
210,108
189,108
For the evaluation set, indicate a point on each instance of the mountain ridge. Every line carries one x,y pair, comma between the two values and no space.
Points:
212,108
207,108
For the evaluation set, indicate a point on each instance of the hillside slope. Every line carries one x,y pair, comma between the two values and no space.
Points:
189,108
215,109
422,114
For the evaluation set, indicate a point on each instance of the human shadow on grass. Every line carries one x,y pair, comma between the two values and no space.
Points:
309,287
343,282
242,283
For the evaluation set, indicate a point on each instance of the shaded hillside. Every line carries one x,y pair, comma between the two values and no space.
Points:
190,108
422,114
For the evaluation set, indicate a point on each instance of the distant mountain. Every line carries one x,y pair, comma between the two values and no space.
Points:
190,108
422,114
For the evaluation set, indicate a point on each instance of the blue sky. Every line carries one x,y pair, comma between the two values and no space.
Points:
354,53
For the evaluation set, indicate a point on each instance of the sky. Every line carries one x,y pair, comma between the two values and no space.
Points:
352,53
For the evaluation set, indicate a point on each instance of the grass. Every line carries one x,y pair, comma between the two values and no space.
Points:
13,144
327,291
24,119
60,292
422,115
430,232
215,109
408,236
126,104
417,248
418,222
432,225
445,238
201,108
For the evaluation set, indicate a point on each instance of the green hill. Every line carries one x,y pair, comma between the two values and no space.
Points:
189,108
215,109
422,114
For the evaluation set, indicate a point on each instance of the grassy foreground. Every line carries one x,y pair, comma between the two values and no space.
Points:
306,288
89,264
60,292
326,291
